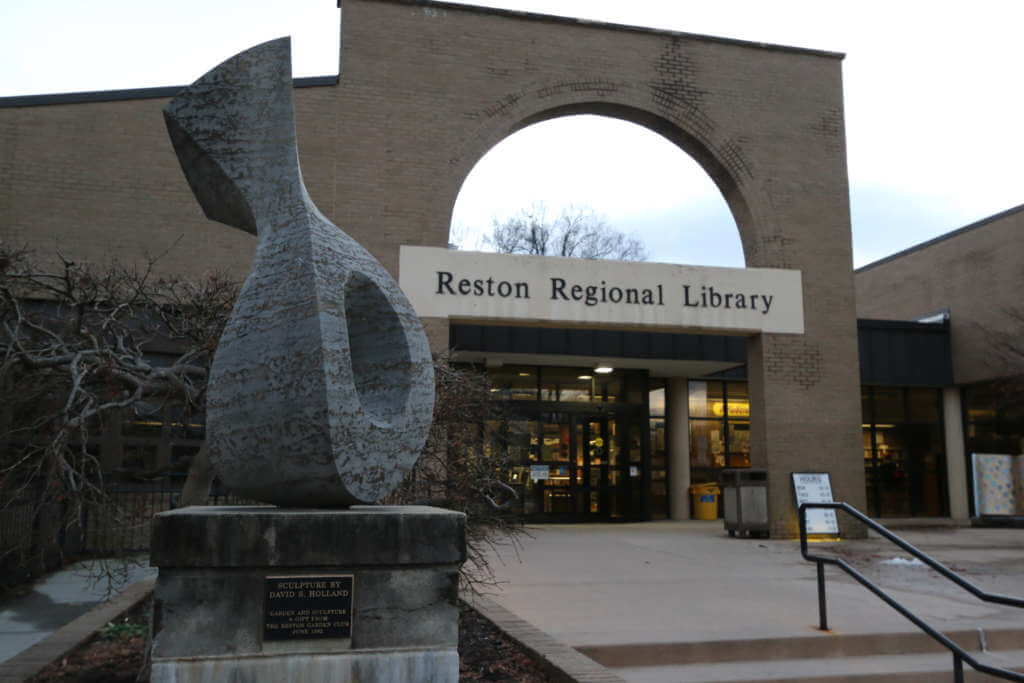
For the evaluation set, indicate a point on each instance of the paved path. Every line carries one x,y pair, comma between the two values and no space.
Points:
54,601
664,582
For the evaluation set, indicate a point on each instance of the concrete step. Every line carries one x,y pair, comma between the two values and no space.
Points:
912,668
821,645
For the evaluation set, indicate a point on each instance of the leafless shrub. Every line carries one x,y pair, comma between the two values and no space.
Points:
80,344
464,468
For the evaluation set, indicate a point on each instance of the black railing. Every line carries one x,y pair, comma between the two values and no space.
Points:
959,654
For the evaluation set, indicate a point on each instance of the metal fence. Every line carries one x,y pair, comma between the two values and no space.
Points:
126,523
120,526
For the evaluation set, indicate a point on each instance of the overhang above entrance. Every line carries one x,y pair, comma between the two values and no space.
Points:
657,367
446,283
662,354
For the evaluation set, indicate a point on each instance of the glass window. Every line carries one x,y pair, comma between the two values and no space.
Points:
567,385
608,388
738,401
888,405
924,404
704,397
659,496
520,439
636,441
658,458
656,402
514,382
739,444
636,386
614,434
904,452
719,425
554,445
994,418
707,443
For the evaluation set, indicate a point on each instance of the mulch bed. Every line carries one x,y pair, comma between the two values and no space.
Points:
114,655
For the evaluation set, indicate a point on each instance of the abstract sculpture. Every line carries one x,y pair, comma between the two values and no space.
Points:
322,389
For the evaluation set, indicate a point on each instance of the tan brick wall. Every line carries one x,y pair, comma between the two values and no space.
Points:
976,273
426,91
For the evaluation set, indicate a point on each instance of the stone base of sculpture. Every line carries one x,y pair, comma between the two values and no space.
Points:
284,594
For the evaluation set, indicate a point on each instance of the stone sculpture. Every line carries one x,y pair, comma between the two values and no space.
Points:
321,391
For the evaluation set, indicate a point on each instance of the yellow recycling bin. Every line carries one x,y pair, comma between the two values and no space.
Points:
705,500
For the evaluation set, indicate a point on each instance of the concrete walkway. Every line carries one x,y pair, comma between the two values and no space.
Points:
599,586
54,601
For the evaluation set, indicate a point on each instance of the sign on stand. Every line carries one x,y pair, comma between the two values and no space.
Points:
815,487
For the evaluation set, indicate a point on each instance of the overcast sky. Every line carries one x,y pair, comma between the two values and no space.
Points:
934,106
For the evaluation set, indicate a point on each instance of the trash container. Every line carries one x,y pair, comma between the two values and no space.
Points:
705,500
745,501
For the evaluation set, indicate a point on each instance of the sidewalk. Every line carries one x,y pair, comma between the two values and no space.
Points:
683,582
55,600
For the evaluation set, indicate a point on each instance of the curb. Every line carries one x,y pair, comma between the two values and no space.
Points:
65,639
559,660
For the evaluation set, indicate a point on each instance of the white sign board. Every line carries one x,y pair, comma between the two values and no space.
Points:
816,488
471,285
540,472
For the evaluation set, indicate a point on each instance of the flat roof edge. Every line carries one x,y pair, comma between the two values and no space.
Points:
941,238
884,324
575,21
132,94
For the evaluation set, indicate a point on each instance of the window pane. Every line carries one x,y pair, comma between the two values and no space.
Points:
739,444
636,386
657,426
636,440
514,382
609,388
656,402
924,405
520,439
567,384
658,496
891,473
738,400
707,443
614,435
704,398
888,405
554,445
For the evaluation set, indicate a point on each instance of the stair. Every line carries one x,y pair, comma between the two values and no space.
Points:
828,658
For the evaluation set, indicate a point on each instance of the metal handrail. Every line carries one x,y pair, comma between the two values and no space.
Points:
959,654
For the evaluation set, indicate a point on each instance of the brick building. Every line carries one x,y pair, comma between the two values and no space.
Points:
426,89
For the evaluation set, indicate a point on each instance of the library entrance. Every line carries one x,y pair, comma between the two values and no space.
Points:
589,475
577,441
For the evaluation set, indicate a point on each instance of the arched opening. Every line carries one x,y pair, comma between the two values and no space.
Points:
591,446
634,175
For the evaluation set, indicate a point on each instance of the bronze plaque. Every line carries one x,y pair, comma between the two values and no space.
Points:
300,607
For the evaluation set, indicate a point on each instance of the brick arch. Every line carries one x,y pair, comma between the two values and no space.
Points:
726,167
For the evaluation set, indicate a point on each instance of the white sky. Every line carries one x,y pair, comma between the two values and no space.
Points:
934,104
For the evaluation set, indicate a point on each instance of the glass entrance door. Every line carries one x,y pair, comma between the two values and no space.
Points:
577,465
601,475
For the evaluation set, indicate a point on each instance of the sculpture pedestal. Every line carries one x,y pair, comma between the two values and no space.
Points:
364,594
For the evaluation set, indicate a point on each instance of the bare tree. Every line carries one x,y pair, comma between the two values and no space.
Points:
574,233
79,345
